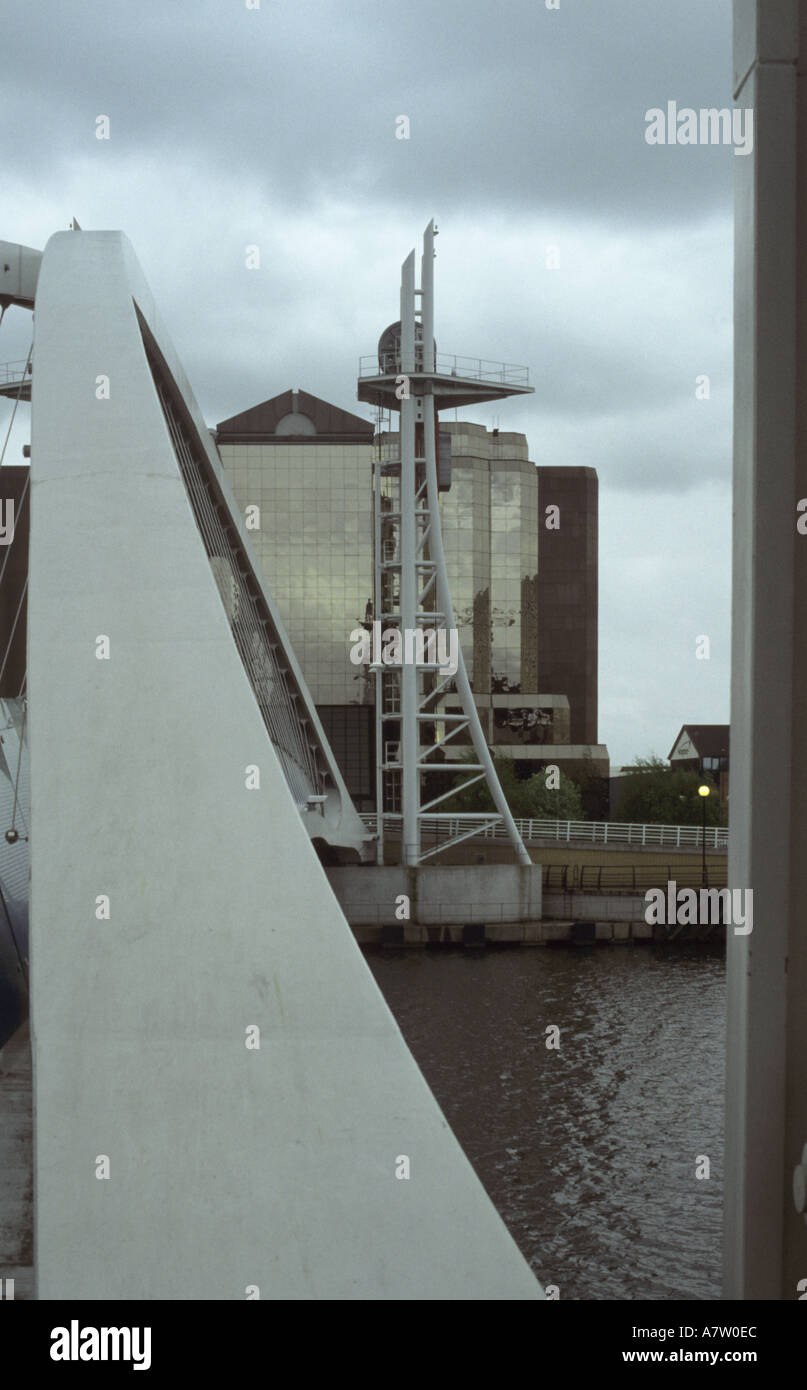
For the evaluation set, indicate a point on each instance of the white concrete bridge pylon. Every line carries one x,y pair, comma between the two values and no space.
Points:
223,1101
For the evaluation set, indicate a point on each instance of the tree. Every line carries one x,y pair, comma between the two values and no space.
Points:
528,798
656,794
594,793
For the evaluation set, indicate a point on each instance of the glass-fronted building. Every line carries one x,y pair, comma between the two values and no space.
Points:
307,468
525,596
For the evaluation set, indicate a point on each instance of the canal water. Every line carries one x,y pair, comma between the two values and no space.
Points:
589,1152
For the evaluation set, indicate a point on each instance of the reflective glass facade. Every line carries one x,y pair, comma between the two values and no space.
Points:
307,467
489,521
490,533
315,548
315,544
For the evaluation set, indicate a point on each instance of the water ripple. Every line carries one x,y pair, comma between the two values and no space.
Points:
588,1152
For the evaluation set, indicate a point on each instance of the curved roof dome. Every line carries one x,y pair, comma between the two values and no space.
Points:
295,423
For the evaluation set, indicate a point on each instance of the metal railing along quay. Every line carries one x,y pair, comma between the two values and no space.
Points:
489,827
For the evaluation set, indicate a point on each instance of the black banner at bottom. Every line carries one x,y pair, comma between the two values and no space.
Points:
158,1340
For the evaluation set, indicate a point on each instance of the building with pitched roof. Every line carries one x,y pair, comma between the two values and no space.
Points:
704,748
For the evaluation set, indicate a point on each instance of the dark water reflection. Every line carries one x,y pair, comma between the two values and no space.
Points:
588,1152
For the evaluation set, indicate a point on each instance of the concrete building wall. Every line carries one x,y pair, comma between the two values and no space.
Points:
228,1167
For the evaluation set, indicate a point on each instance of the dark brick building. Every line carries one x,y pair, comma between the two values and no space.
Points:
567,594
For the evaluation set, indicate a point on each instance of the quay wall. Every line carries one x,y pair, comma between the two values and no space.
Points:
476,905
438,894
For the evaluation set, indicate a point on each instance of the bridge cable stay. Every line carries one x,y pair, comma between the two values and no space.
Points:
21,960
12,834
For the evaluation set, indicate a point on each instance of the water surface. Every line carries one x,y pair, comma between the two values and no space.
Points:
588,1152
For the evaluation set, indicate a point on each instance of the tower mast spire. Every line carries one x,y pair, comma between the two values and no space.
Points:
411,582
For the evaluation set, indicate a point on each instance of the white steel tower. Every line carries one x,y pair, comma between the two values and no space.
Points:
411,592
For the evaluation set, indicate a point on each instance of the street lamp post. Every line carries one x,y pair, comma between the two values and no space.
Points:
703,792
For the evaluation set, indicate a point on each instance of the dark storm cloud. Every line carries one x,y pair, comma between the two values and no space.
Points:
509,103
276,127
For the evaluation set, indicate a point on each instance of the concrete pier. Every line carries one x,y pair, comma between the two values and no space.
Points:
493,904
439,895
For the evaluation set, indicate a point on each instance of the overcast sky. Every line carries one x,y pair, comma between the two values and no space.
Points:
275,127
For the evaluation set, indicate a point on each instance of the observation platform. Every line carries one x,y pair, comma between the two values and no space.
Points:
15,380
455,381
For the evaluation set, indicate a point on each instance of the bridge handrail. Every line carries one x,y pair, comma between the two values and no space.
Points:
449,364
564,831
15,371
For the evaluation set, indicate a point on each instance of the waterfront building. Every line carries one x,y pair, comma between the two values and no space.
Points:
526,597
568,607
704,748
525,594
307,466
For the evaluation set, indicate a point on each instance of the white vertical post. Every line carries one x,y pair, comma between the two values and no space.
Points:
463,684
379,677
765,1242
410,684
427,297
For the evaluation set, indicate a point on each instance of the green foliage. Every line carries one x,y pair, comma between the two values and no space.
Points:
527,798
656,794
595,795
